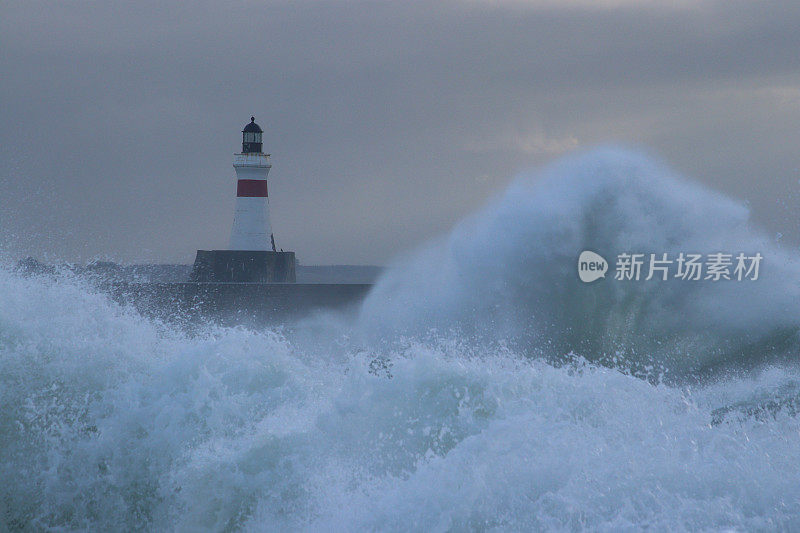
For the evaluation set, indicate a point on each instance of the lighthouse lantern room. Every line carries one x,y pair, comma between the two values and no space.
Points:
251,137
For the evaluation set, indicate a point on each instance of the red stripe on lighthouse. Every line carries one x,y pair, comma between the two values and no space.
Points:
251,188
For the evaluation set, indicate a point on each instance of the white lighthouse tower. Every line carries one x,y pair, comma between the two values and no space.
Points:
251,227
251,256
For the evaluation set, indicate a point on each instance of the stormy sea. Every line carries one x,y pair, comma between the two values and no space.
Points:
481,386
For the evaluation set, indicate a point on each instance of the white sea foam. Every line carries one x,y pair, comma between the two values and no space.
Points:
110,421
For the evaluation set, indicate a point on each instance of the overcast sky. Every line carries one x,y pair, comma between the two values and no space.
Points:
386,121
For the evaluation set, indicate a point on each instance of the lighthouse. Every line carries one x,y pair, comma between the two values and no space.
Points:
251,255
251,227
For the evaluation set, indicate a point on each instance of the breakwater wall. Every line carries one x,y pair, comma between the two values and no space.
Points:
248,304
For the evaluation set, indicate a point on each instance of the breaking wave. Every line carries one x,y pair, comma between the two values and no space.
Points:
509,273
482,387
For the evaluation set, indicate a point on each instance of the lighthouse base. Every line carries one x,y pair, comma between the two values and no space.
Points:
243,266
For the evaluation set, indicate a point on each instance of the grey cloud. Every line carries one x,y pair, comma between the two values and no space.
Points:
387,121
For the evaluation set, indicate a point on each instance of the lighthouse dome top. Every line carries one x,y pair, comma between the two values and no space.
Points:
251,138
252,127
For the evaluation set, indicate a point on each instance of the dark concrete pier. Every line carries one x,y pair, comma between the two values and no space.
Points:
160,291
248,304
243,266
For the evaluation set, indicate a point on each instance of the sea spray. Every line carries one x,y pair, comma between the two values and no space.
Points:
440,408
508,273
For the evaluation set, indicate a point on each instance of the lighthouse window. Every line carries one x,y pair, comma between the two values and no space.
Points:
250,137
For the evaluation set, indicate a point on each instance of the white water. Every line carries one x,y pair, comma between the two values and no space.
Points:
495,420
